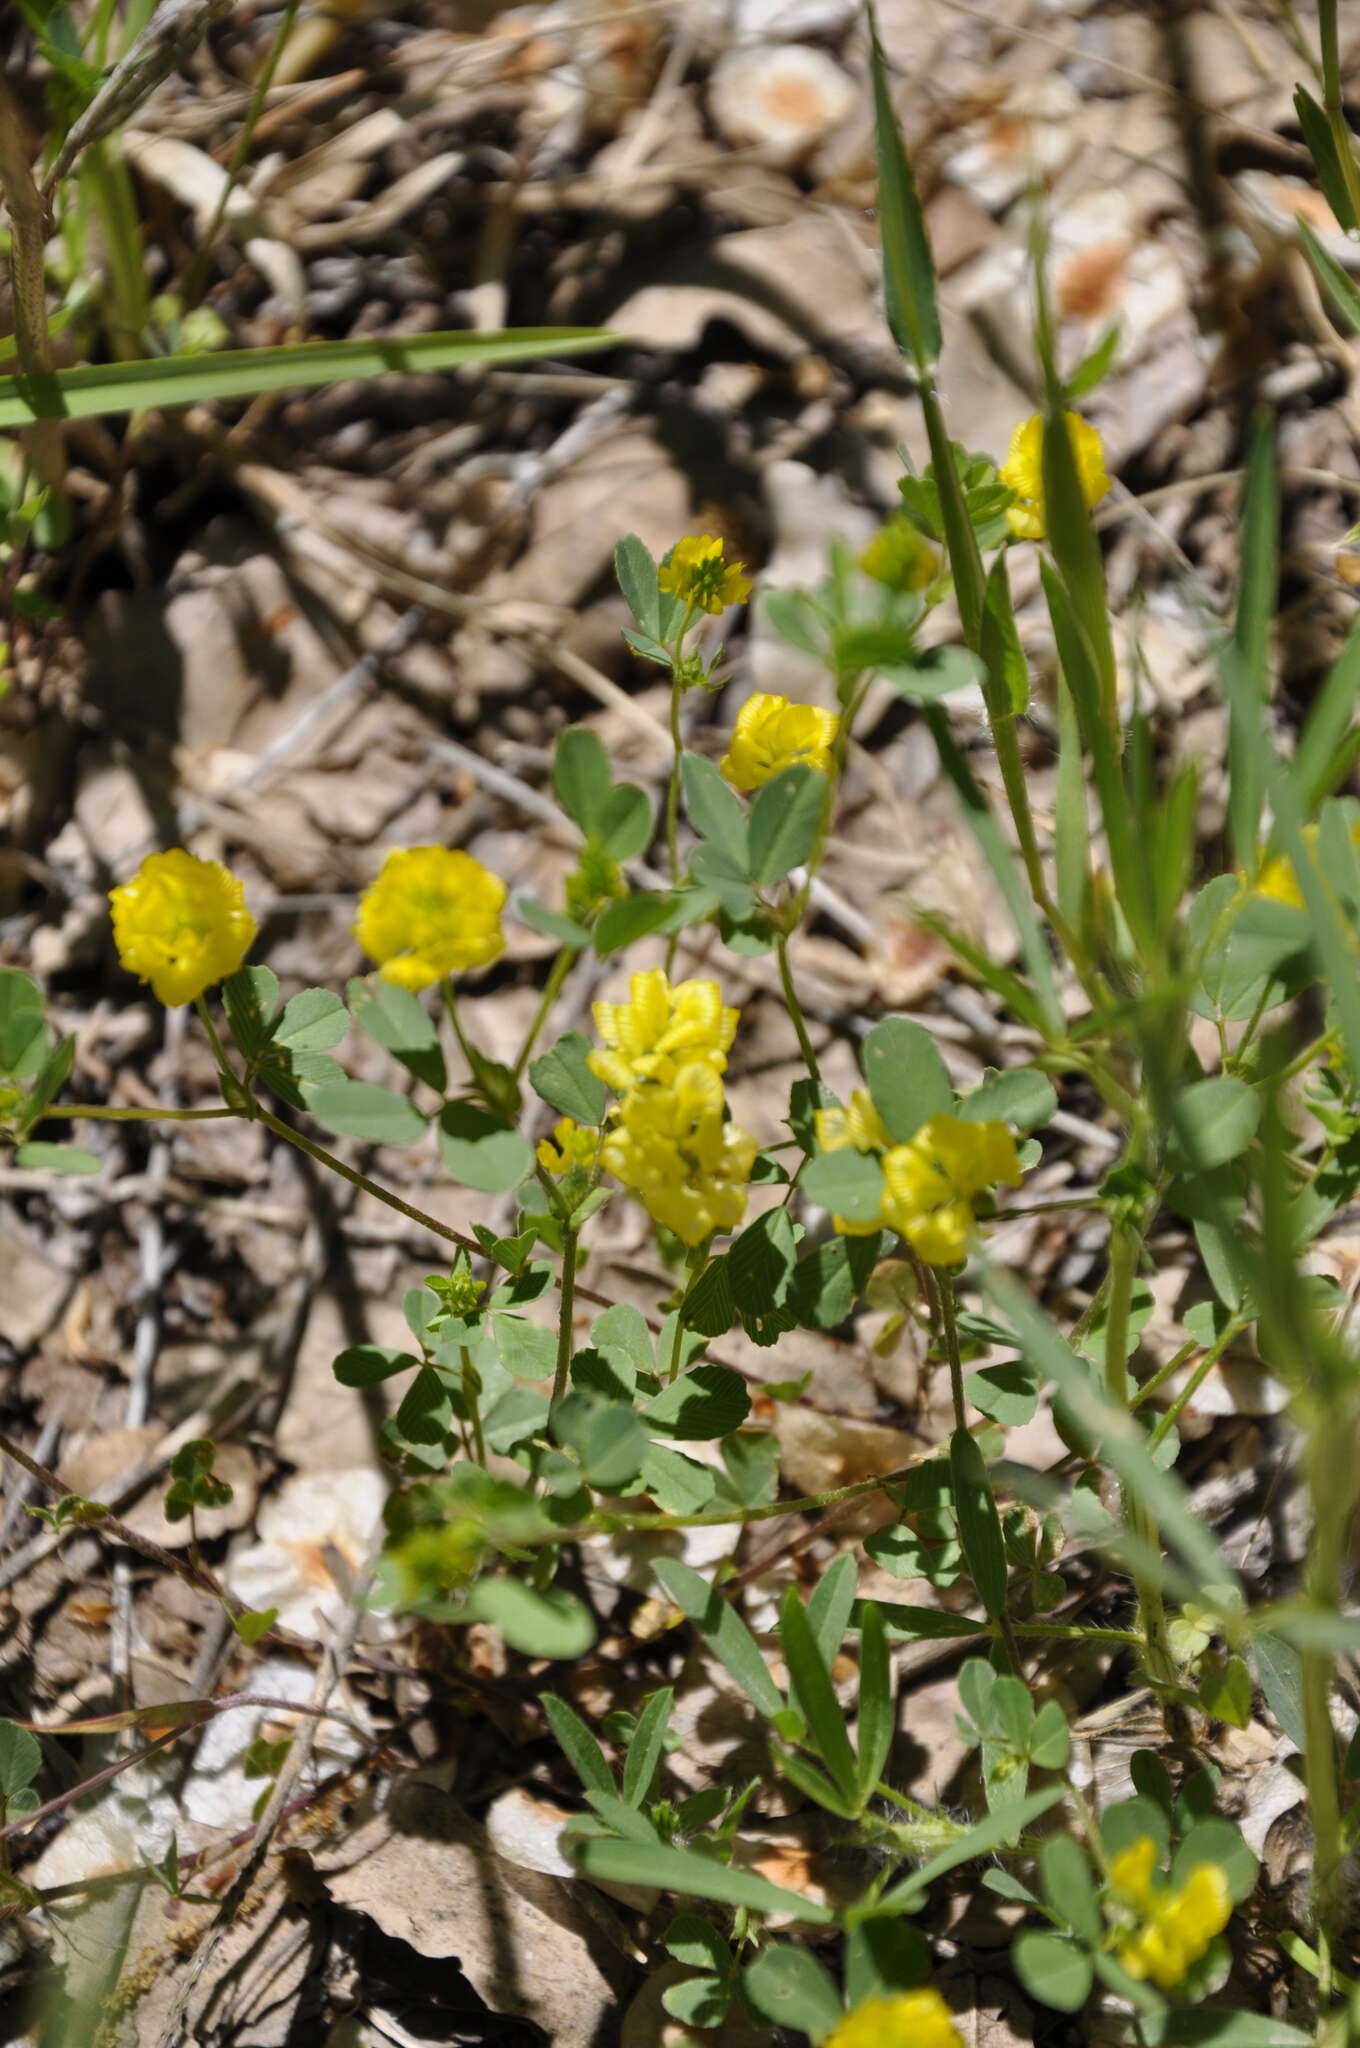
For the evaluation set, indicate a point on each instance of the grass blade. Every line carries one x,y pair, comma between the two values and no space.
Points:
1121,1440
1340,286
996,851
699,1877
99,388
1246,678
979,1523
1318,755
908,270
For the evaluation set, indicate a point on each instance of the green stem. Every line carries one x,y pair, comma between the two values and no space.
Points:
795,1010
944,1289
1125,1242
551,988
231,1085
472,1387
1328,1459
1332,102
570,1243
695,1261
198,269
1168,1419
361,1180
71,1110
485,1078
105,174
673,787
722,1517
1073,1632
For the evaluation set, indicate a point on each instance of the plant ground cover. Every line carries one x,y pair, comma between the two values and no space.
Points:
678,1019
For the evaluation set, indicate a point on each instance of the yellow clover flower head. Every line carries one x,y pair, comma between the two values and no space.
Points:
1277,880
659,1026
908,2019
929,1183
771,733
181,923
859,1125
431,912
1176,1927
571,1145
1023,471
670,1145
697,572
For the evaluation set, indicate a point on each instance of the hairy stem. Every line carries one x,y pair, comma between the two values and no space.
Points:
795,1010
23,203
570,1246
551,988
1124,1247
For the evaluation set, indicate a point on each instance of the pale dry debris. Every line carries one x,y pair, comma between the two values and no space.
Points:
217,1792
819,1452
1032,134
428,1875
783,99
526,1830
316,1535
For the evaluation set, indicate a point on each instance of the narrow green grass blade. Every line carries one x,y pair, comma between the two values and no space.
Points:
996,851
1246,678
1328,722
908,271
1071,823
99,388
699,1877
1122,1444
1327,159
1330,941
1340,285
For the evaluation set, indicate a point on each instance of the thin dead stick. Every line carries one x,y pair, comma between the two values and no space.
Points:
335,1658
74,1792
109,1524
168,41
27,219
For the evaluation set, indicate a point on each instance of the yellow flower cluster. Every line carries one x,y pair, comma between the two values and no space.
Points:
571,1145
665,1051
698,573
672,1147
431,912
181,923
1023,471
930,1181
771,733
660,1028
1176,1926
1278,880
909,2019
